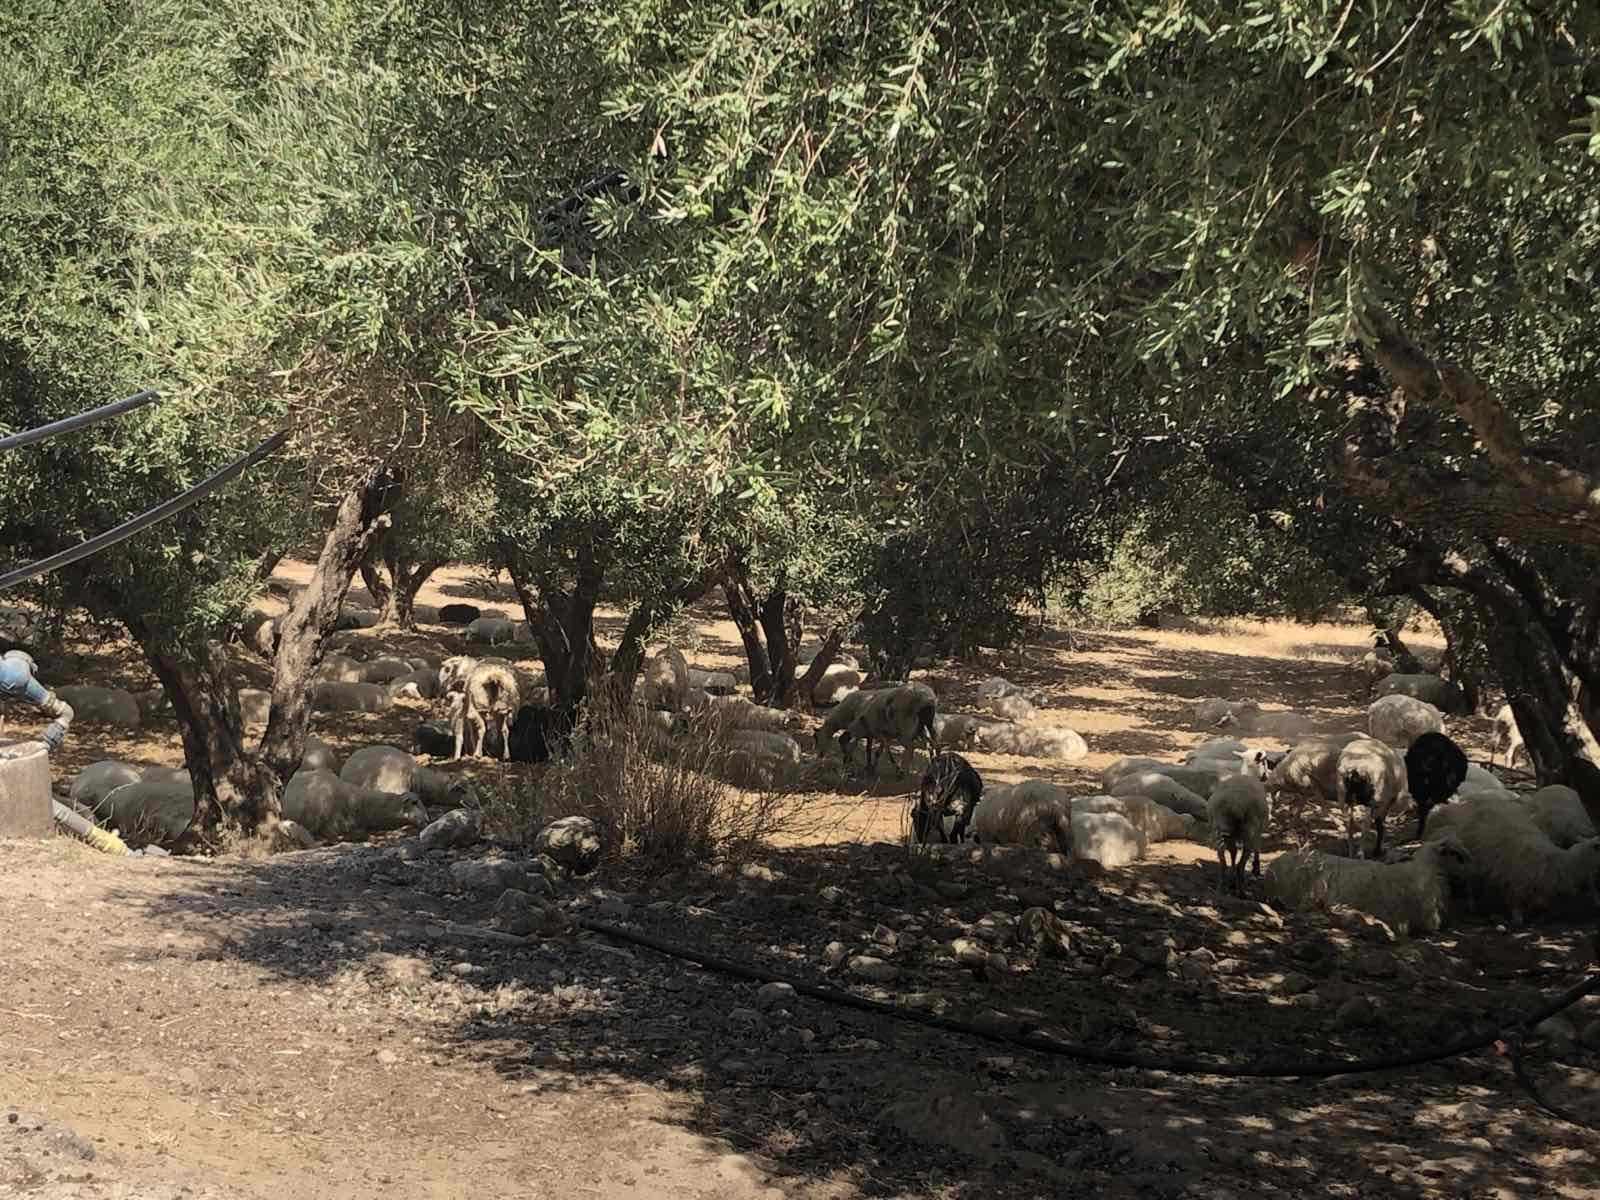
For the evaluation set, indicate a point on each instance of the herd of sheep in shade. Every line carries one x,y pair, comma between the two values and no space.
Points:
1478,845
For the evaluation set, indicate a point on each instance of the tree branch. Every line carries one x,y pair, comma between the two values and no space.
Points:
1565,501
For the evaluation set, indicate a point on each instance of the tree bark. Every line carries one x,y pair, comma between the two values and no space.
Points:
563,625
806,688
303,630
268,564
399,606
377,586
780,622
742,609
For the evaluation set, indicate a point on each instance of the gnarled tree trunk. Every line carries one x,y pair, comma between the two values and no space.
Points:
806,688
303,630
563,625
770,628
393,581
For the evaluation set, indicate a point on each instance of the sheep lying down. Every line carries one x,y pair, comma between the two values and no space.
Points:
1410,897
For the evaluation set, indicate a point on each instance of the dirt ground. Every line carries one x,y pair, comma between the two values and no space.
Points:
328,1023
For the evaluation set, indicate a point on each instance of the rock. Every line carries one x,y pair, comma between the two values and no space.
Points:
1195,970
1358,1012
1590,1036
997,965
775,995
1122,966
747,1019
994,928
1294,984
386,1058
1161,957
572,842
463,969
832,895
489,876
613,908
969,952
951,1120
514,912
458,827
874,970
951,890
1237,937
834,953
885,937
1044,933
402,970
1106,838
1558,1033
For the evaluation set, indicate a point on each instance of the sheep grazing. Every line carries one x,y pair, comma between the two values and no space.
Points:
666,680
1401,720
1368,775
1030,814
1441,693
489,694
836,725
901,714
327,807
1238,811
1515,867
459,614
950,779
1507,734
1310,769
1435,769
1558,811
1410,897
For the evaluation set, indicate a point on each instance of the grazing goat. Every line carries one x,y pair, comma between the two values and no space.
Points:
948,777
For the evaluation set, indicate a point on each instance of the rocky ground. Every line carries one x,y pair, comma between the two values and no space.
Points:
384,1020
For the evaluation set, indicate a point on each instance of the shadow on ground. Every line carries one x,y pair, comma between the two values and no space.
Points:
1156,965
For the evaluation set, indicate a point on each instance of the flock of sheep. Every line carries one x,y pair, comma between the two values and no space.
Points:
1476,842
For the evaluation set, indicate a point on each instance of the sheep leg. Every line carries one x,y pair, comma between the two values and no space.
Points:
457,726
505,737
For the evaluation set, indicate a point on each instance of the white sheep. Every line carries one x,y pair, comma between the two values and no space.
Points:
1410,897
1559,812
665,684
1217,749
1238,813
737,712
1310,769
997,687
1516,868
765,744
1370,775
329,696
837,682
1441,693
1033,741
835,726
1478,780
1400,720
453,672
1029,814
1014,708
340,668
390,769
420,684
489,695
102,705
959,730
903,714
1509,735
1155,822
717,683
385,670
492,630
327,807
1163,790
1216,713
98,780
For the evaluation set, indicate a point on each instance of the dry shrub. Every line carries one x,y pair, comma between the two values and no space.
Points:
664,794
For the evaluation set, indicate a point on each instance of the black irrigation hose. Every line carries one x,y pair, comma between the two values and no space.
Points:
1106,1058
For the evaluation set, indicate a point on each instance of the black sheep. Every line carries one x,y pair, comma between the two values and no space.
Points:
1435,768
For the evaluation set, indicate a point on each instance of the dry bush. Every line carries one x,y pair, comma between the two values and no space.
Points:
667,795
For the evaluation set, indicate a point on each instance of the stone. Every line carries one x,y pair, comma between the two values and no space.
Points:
514,912
775,995
1044,933
489,876
969,952
1591,1035
1122,966
572,842
613,908
1558,1033
950,1120
834,953
832,895
1358,1012
1294,984
25,810
1161,957
874,970
747,1019
458,827
885,937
